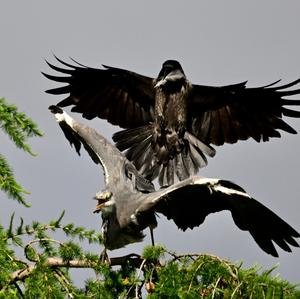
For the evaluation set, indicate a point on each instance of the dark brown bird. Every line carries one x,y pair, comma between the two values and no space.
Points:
171,123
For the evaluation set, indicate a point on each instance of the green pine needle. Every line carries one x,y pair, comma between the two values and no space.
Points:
19,128
17,125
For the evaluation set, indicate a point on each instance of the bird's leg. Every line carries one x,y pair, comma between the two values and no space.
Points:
152,236
104,257
102,198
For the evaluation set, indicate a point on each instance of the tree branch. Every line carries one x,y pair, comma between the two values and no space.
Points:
56,262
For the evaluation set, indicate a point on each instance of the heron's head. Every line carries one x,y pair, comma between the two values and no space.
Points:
171,71
105,202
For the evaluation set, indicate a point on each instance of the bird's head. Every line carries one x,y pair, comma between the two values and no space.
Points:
171,71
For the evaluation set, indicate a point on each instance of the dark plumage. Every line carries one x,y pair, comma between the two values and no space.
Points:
171,123
129,202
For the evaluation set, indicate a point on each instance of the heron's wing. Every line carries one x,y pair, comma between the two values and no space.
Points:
230,113
113,162
190,201
100,150
122,97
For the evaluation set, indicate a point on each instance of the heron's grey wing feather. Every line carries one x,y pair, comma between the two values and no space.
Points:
98,147
188,203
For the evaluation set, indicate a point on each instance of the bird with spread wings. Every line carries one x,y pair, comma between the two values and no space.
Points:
171,124
129,202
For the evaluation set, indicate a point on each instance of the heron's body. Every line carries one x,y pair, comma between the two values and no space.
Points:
129,202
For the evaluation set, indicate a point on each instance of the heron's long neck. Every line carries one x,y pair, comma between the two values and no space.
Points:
110,157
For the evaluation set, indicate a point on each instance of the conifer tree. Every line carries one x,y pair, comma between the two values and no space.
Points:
42,271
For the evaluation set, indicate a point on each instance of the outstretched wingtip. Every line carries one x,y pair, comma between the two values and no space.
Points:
55,109
66,123
61,116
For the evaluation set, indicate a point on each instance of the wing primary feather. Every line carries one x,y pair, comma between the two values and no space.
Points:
64,63
65,102
285,85
289,92
290,113
58,69
80,64
59,90
280,124
282,244
57,78
290,102
290,240
271,84
265,244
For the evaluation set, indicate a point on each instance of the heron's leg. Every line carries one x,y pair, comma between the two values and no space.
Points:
104,257
152,236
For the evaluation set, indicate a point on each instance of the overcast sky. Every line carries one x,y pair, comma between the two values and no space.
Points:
217,43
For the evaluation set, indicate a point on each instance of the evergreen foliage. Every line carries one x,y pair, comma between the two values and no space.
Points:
19,128
36,263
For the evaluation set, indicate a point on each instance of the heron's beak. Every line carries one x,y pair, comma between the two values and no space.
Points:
99,208
102,198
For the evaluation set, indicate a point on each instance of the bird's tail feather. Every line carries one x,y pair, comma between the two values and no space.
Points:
127,138
198,144
148,157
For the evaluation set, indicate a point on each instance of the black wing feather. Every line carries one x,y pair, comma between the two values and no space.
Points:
105,92
250,112
188,203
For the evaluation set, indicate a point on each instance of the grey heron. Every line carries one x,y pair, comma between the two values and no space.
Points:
171,124
129,202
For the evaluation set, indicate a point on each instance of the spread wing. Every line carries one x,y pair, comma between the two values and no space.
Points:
234,112
122,97
99,149
190,201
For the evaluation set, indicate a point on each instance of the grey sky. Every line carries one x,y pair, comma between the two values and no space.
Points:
217,43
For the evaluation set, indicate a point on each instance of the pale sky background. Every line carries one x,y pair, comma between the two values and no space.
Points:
217,43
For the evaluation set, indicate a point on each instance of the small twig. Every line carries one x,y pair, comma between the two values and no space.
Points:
139,273
235,290
20,261
215,287
194,274
19,289
31,231
192,255
64,282
38,241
